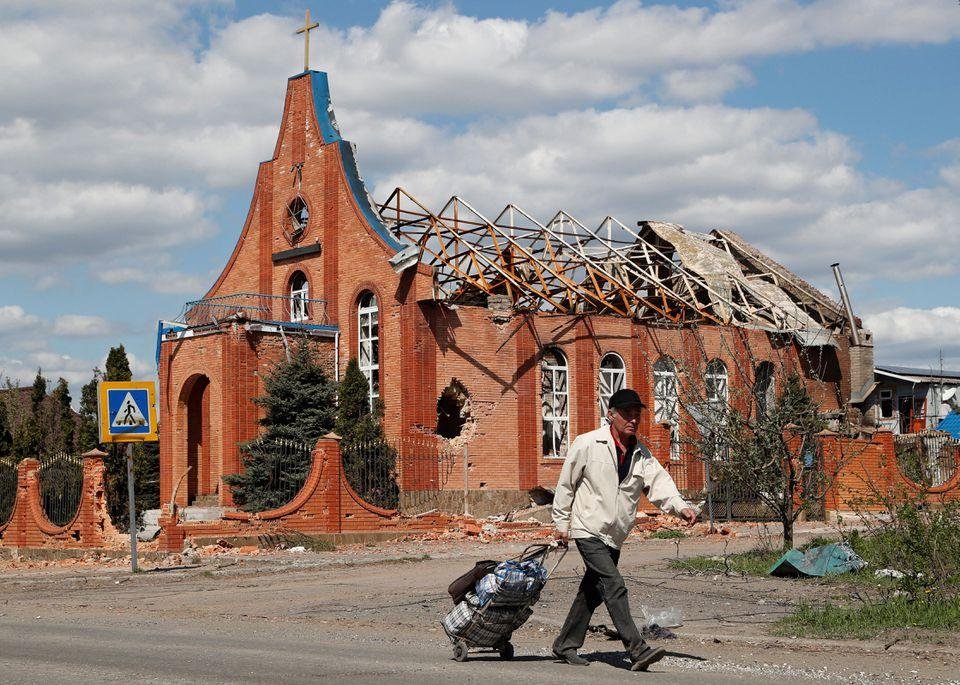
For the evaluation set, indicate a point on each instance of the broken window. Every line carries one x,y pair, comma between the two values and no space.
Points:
716,384
368,327
665,391
764,388
665,401
299,295
717,395
553,400
613,377
451,410
886,404
298,215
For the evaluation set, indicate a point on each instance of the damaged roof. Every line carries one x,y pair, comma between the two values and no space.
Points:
657,273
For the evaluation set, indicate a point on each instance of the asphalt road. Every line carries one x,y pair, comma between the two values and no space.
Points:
371,616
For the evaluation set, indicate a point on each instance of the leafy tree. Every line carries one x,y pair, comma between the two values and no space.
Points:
772,454
369,462
299,405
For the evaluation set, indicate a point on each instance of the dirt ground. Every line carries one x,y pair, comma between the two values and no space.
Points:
385,600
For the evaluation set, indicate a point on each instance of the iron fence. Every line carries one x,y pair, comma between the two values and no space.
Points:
929,458
254,306
408,474
8,489
277,468
60,478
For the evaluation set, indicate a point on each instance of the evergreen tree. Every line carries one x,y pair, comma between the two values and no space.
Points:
118,366
145,460
299,405
89,433
369,462
38,393
65,433
6,435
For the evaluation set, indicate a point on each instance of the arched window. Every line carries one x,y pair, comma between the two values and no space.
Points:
665,401
715,380
717,395
553,401
299,296
613,377
764,388
368,328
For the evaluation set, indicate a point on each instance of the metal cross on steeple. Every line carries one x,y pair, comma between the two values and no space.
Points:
305,30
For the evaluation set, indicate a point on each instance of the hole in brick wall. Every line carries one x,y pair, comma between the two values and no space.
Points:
75,535
483,484
452,409
348,516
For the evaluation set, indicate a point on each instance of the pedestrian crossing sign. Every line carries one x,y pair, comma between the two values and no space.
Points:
128,411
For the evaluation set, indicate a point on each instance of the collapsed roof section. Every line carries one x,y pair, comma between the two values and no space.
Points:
657,273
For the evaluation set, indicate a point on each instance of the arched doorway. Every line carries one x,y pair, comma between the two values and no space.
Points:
197,399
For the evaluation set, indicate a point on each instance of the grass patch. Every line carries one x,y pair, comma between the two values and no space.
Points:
871,620
755,562
667,534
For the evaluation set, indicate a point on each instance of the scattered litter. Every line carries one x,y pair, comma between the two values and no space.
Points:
298,549
670,617
658,632
888,573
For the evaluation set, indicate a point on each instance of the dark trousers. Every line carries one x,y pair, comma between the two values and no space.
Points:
601,584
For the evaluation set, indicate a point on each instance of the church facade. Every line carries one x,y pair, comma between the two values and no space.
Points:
423,306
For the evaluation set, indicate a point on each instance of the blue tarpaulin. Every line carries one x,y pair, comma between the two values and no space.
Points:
827,560
951,424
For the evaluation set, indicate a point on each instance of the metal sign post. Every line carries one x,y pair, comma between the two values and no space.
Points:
128,413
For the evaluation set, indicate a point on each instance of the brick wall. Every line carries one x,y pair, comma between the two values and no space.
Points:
29,528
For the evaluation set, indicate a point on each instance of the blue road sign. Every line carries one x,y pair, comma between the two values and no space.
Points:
128,411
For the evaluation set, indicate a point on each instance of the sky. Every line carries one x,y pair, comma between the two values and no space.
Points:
821,130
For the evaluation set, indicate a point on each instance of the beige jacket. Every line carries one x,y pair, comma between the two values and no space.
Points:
591,502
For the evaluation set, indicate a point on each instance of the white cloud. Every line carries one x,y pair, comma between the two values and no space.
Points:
13,319
82,326
73,221
704,85
917,337
158,280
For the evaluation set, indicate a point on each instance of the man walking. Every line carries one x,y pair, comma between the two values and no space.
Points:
603,476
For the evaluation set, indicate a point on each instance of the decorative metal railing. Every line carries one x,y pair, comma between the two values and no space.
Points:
8,489
255,306
61,485
279,467
929,458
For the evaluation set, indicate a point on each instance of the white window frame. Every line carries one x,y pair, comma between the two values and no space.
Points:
716,382
368,343
612,378
666,401
555,403
299,298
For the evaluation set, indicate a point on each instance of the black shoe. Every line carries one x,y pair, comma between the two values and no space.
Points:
571,658
650,655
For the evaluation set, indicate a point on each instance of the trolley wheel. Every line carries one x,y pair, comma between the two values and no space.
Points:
506,650
460,650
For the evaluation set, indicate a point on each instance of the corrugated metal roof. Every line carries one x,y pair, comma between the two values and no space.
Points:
951,424
914,371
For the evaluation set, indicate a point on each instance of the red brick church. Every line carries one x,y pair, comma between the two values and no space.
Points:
538,323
